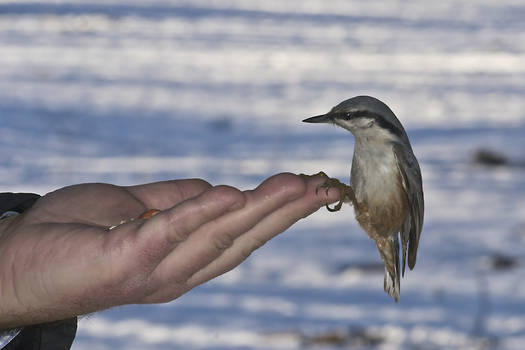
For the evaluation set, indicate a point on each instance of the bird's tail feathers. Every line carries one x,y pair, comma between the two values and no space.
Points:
389,249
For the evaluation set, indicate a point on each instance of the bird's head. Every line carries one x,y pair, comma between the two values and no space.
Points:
364,116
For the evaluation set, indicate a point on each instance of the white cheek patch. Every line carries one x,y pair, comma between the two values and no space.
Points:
363,123
367,128
356,123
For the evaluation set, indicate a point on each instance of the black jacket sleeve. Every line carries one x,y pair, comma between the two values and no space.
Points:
18,202
57,335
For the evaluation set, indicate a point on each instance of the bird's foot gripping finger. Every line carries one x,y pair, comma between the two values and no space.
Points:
321,173
347,192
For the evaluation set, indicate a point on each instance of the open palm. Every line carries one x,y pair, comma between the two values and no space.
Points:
65,262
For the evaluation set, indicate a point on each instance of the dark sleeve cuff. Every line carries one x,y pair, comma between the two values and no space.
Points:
18,202
46,336
57,335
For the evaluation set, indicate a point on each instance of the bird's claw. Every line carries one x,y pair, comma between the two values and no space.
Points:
346,192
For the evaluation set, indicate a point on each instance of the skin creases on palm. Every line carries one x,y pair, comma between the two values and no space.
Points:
144,216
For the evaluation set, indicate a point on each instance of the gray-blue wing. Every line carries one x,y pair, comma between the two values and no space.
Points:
413,185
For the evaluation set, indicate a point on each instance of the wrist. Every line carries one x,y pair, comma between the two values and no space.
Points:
6,222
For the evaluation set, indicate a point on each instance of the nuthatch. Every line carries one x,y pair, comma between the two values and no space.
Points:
386,186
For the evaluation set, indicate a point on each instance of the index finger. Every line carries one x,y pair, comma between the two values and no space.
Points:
165,194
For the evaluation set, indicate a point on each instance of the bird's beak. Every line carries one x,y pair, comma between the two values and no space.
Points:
324,118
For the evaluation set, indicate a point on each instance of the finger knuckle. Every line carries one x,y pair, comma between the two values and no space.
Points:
182,191
202,183
176,226
257,243
252,245
221,242
177,234
227,194
245,253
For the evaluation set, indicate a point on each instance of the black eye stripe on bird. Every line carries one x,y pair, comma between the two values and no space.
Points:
381,122
331,116
389,203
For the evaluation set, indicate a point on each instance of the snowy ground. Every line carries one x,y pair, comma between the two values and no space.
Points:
137,91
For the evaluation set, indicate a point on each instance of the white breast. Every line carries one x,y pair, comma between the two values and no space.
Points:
374,172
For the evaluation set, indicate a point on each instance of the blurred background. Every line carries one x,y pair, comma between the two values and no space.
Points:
138,91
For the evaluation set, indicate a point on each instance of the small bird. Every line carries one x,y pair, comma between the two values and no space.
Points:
386,185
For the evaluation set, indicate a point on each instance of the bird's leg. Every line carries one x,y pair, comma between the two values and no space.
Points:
347,192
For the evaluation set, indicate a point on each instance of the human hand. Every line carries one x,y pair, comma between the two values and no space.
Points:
59,259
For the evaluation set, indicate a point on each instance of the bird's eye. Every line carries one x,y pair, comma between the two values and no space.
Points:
348,115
